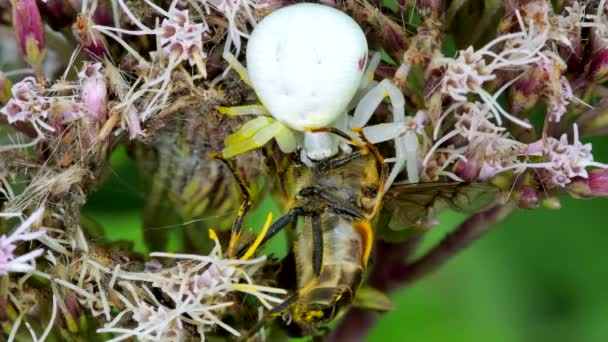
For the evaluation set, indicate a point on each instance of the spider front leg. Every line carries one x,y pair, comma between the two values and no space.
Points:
256,133
234,62
406,141
244,110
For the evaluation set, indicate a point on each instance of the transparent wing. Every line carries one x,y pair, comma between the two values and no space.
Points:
412,205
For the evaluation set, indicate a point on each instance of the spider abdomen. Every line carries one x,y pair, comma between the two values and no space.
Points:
305,63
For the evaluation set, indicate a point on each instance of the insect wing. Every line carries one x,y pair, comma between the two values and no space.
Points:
412,205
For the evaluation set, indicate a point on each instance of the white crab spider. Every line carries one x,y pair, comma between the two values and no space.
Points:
307,65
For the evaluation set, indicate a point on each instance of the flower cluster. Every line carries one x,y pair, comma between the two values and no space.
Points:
183,39
478,144
512,109
27,104
9,262
52,108
565,161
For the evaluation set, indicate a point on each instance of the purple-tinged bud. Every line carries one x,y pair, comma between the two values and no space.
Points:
133,124
598,69
526,92
467,170
5,89
92,41
30,31
430,223
103,14
598,182
73,313
535,148
528,198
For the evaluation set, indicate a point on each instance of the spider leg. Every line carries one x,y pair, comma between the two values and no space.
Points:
256,133
234,62
384,131
372,99
368,76
367,80
406,142
244,110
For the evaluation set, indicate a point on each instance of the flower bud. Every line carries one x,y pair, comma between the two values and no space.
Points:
528,198
394,39
133,123
598,69
94,93
5,89
73,313
30,31
598,182
526,92
467,170
552,203
92,41
435,7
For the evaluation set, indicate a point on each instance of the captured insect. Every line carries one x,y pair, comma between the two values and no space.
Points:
340,199
308,64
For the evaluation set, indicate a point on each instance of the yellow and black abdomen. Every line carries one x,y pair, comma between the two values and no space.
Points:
344,256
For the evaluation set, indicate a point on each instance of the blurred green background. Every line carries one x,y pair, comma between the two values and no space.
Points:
540,276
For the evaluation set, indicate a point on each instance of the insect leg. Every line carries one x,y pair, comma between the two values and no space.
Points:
341,134
384,172
243,209
335,162
274,229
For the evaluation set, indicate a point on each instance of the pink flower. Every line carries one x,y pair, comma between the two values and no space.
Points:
27,104
566,161
94,93
181,38
9,262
